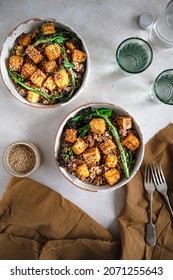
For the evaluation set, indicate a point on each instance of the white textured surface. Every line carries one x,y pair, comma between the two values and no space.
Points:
103,25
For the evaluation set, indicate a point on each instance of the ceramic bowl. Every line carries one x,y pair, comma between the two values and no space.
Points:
89,187
26,27
19,153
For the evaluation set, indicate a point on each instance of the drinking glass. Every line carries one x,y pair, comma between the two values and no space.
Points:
161,91
134,55
162,31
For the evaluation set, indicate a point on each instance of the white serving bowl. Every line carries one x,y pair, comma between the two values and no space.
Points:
26,27
6,159
74,180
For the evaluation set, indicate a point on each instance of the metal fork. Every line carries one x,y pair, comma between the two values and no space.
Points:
160,183
150,236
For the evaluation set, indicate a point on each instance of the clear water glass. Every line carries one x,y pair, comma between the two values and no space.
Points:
134,55
161,33
161,91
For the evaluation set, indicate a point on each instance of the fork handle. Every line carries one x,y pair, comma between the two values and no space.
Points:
169,206
150,236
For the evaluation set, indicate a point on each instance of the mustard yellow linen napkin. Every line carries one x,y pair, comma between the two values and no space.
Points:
134,215
38,223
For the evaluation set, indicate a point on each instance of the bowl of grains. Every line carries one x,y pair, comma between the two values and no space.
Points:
44,63
99,147
21,159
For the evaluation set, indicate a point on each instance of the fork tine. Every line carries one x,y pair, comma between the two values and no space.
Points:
154,173
162,177
147,173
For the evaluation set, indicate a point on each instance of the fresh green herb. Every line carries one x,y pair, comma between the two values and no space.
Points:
56,38
70,67
83,131
129,157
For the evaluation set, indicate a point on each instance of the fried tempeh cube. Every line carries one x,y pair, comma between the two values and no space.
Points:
50,66
107,146
124,123
53,51
82,171
111,160
131,142
34,54
97,126
50,83
78,56
69,44
28,69
70,135
19,50
24,39
112,176
38,78
33,97
48,28
92,155
61,78
15,62
79,147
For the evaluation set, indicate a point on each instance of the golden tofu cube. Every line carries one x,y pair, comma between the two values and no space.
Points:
92,155
50,66
19,50
124,123
28,69
78,56
131,142
24,39
79,147
34,54
69,44
48,28
33,97
38,78
107,146
15,62
97,126
61,78
111,160
82,171
53,51
50,83
70,135
112,176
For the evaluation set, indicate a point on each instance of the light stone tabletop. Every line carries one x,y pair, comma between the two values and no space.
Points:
102,24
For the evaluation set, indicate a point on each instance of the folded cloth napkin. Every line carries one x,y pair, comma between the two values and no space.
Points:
134,216
38,223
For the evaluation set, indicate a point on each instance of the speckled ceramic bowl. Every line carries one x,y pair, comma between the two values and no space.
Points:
15,166
74,180
26,27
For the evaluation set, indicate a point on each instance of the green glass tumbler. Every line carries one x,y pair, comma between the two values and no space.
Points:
134,55
161,91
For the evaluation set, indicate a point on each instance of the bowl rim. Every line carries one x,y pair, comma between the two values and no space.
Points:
6,154
74,180
4,72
